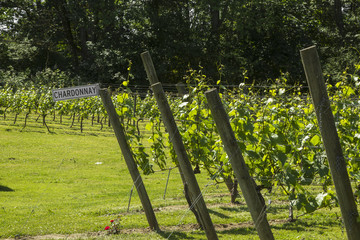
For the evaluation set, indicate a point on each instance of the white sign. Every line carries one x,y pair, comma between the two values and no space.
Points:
75,92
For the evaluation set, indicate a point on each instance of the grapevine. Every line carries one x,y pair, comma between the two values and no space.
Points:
276,129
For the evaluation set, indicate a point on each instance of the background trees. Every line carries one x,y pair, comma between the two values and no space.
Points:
94,40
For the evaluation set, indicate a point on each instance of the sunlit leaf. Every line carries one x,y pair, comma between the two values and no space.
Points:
315,140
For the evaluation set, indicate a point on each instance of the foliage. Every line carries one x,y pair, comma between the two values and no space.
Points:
276,129
46,77
93,40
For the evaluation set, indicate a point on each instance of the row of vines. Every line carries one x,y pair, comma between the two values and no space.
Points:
275,126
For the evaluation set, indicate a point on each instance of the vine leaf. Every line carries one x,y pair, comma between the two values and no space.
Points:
315,140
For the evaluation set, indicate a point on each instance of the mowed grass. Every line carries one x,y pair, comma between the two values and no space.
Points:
68,183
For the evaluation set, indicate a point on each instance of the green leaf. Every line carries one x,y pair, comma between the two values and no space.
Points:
252,154
320,198
281,157
315,140
291,177
149,126
323,171
251,138
311,205
348,91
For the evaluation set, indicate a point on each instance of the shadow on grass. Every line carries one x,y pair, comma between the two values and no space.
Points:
301,225
243,208
292,226
6,189
200,233
174,235
218,214
235,208
239,231
274,209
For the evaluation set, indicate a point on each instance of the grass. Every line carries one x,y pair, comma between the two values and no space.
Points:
73,184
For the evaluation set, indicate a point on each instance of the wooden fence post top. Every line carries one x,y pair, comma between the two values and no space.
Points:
149,67
308,48
212,91
213,98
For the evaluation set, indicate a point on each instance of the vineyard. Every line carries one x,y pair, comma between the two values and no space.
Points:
248,121
275,125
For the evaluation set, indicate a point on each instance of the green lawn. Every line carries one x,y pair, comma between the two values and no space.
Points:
73,184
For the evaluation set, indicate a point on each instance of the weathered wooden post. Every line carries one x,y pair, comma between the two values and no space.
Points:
181,89
126,151
176,139
256,207
326,122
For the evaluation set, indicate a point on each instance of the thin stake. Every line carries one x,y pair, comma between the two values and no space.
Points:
167,181
131,191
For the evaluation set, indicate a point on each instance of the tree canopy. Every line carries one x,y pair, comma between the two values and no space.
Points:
100,40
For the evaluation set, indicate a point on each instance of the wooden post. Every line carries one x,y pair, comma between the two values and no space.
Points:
126,151
257,209
181,89
176,139
326,122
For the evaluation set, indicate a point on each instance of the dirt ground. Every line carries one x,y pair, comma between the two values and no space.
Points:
178,228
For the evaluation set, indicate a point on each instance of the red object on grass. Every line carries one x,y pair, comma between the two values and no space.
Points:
111,221
107,228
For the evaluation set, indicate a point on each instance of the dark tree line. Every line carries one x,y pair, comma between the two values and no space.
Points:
95,40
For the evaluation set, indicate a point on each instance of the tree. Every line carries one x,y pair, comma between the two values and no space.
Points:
96,39
338,17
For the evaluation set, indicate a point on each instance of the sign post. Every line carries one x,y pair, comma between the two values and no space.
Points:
94,90
75,92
